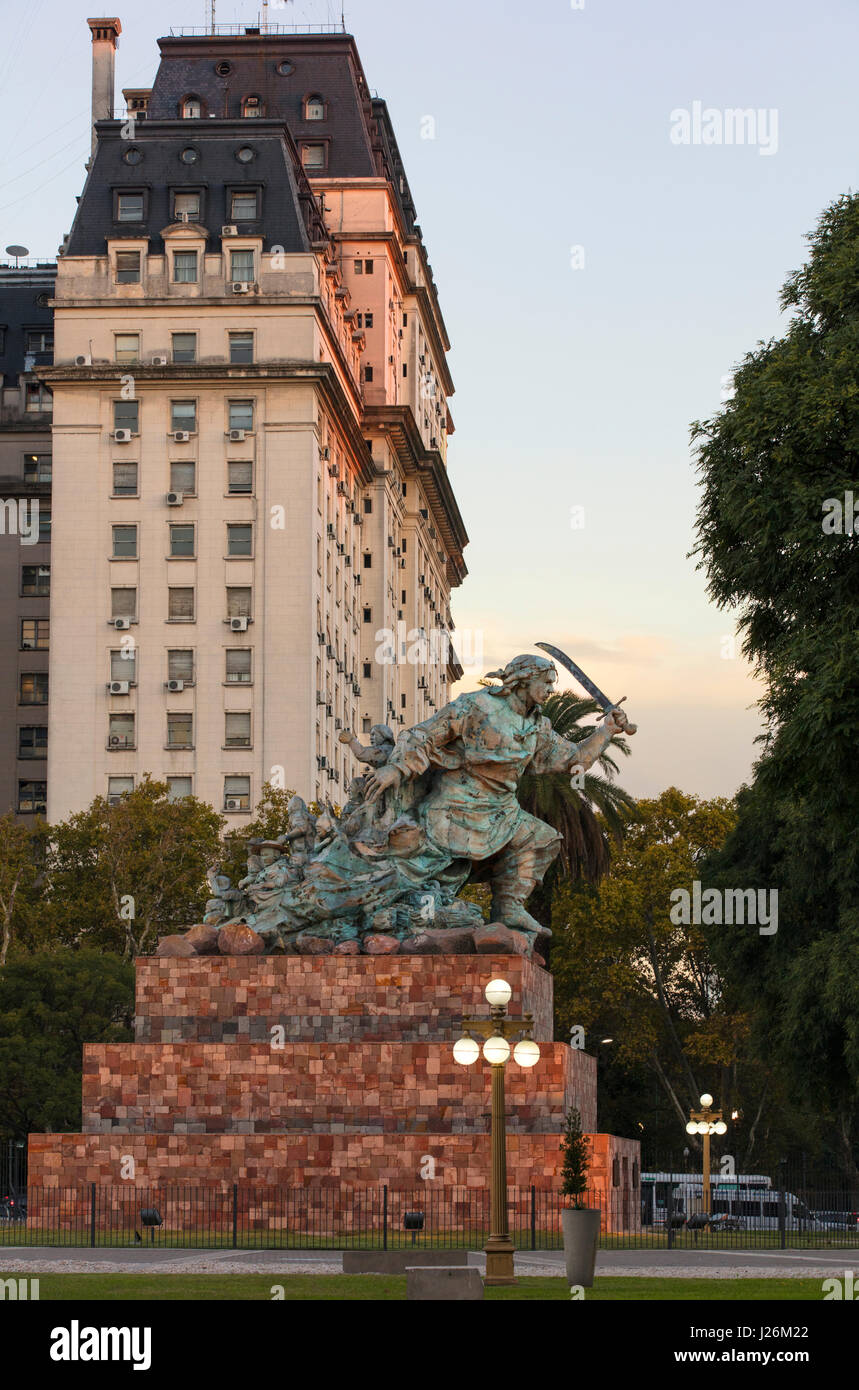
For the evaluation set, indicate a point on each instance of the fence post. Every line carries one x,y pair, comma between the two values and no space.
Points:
669,1216
235,1215
533,1217
92,1215
385,1217
782,1224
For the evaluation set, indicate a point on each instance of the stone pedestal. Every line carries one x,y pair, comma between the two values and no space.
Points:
306,1072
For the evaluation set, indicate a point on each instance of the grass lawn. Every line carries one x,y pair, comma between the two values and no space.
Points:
375,1287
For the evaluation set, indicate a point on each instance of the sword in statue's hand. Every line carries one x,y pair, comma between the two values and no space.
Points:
606,705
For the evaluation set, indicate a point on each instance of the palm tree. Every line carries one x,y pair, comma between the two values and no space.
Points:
587,820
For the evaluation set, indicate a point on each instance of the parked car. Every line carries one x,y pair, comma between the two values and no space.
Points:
838,1220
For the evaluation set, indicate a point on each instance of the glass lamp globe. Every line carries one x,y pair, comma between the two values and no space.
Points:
706,1100
691,1128
702,1127
496,1049
466,1051
498,993
526,1053
721,1127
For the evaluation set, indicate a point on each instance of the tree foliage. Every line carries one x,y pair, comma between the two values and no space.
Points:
785,446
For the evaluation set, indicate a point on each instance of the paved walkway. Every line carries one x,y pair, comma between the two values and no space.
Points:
676,1264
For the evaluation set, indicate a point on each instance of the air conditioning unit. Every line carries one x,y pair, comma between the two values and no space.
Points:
320,698
348,562
242,287
115,740
83,359
238,624
320,637
325,453
232,805
175,499
229,230
321,762
329,652
237,436
390,542
329,531
122,436
121,624
119,687
183,217
422,579
181,436
175,686
338,723
359,520
342,489
357,579
159,361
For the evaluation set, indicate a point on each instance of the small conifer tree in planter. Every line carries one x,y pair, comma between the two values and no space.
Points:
581,1224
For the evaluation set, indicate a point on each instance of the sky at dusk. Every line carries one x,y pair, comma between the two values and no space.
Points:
598,278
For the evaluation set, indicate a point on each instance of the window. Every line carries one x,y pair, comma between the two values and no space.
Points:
238,670
368,267
368,506
241,347
405,369
367,560
126,416
117,787
237,732
129,207
368,373
359,267
242,267
368,320
240,539
128,267
368,670
178,788
240,415
37,468
126,347
185,267
32,798
192,109
123,665
180,604
39,340
183,416
183,478
184,347
33,688
123,603
239,477
125,480
314,109
314,156
186,205
244,206
34,634
38,399
35,581
180,665
44,523
124,542
33,741
368,615
182,541
180,730
237,793
252,106
120,731
238,602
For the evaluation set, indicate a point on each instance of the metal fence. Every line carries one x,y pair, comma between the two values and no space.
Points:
375,1218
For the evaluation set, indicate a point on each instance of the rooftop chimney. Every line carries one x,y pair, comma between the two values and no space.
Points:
105,37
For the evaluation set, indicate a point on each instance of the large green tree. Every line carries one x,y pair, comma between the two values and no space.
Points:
119,876
777,465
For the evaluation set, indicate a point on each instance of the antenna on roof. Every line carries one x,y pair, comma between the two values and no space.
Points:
264,20
211,16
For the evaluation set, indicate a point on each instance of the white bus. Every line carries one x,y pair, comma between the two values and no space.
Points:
745,1200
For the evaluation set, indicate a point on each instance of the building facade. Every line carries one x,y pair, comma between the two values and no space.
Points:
255,537
26,344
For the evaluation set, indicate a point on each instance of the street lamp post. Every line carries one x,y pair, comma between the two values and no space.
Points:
497,1029
705,1122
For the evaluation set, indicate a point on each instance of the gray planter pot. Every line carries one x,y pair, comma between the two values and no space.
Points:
581,1227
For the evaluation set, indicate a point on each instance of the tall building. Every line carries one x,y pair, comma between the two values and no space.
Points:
26,343
255,536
